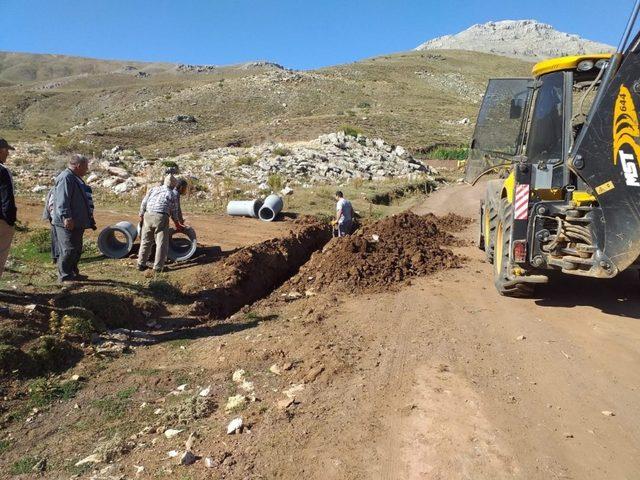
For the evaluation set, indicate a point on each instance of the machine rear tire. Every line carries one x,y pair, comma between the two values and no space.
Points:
490,210
502,259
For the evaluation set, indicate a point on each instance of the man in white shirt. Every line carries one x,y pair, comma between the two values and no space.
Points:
158,206
344,215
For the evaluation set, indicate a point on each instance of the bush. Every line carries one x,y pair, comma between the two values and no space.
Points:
449,153
70,145
16,335
164,290
275,182
75,322
41,240
112,309
23,466
245,161
350,131
364,105
51,353
281,152
170,164
12,358
43,392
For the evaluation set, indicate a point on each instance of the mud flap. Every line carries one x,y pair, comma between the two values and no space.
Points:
606,157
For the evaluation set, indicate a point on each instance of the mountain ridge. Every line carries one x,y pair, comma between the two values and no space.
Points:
524,39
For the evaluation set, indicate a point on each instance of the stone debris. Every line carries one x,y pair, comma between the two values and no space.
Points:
313,374
294,390
285,403
93,458
521,337
235,426
209,462
247,386
238,376
188,458
139,470
275,369
172,453
171,432
205,392
40,466
608,413
329,159
235,402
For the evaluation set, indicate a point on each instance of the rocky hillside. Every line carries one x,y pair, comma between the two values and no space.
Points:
525,39
414,99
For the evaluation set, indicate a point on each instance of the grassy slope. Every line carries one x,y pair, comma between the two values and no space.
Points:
391,96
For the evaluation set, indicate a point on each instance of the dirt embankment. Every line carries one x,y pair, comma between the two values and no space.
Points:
255,271
381,255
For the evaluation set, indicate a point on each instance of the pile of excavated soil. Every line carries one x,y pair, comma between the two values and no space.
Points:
255,271
380,255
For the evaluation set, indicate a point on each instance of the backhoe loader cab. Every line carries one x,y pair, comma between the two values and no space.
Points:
566,145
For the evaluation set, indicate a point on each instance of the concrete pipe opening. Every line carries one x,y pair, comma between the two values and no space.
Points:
271,208
116,241
182,245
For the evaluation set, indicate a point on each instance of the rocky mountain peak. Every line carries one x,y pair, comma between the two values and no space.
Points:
527,39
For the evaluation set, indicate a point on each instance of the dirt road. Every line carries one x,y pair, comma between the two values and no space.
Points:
439,379
455,391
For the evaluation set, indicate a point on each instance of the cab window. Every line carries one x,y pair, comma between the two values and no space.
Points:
546,131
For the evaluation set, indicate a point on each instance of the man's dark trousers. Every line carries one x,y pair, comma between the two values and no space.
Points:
69,251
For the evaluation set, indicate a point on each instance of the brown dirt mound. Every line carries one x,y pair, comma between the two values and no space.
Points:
379,255
253,272
451,222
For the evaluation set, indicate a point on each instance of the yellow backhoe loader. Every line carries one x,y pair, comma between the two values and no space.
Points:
566,144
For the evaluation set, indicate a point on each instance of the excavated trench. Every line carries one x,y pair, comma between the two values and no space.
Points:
377,256
254,272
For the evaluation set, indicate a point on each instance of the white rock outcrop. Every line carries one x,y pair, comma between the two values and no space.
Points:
526,39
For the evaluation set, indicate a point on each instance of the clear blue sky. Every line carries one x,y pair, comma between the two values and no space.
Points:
296,33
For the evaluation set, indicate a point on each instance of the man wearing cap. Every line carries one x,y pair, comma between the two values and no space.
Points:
158,205
8,208
72,215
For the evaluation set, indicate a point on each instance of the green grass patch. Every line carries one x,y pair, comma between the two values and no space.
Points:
246,160
170,164
180,342
43,392
115,406
281,152
36,248
23,466
5,445
350,130
275,182
449,153
164,290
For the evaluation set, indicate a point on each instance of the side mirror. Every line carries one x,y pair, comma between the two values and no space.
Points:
515,111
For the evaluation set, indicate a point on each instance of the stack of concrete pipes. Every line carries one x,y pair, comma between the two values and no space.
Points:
266,211
116,241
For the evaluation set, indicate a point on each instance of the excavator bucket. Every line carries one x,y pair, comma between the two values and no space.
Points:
606,156
499,125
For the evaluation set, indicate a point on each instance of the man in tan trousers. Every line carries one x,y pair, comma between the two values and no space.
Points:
8,208
157,207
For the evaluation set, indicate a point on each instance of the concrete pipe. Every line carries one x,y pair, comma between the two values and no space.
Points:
182,245
117,240
244,208
271,208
